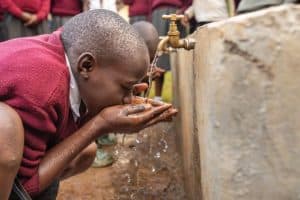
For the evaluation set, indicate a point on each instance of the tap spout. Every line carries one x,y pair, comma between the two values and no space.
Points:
163,44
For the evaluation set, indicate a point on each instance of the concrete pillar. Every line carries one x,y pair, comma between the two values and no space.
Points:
245,110
183,89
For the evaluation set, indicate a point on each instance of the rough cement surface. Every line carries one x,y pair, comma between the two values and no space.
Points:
247,91
183,82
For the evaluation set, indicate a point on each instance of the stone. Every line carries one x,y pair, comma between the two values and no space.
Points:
245,108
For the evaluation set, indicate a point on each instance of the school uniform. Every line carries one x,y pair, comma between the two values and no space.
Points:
138,10
206,11
3,28
63,10
103,4
14,9
36,81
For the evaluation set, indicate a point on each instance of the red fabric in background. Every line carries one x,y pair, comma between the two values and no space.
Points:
66,7
1,13
34,80
39,7
182,5
138,7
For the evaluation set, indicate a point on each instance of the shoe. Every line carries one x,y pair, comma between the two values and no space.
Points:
157,98
102,159
106,140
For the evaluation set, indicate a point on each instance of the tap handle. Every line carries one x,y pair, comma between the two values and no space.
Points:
173,17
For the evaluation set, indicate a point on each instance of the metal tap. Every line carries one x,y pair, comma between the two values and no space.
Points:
172,40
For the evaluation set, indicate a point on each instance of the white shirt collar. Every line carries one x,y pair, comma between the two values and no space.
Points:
74,95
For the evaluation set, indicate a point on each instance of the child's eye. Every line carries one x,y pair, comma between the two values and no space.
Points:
127,88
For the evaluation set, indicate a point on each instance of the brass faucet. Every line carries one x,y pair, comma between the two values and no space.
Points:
172,40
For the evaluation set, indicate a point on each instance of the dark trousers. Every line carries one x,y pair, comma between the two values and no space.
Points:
16,28
49,194
3,31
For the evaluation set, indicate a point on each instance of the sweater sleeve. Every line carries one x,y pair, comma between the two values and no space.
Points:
41,119
11,7
39,124
44,11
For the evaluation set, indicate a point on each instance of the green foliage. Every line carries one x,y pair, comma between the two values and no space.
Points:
167,89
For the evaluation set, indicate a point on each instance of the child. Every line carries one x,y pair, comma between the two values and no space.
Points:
68,88
148,32
150,35
138,10
63,10
26,18
159,8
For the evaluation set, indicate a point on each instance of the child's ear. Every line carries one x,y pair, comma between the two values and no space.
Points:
86,63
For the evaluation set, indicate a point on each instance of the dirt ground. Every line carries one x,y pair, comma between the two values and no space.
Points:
96,183
148,170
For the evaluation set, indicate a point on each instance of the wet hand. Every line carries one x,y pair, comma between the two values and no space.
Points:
133,117
139,88
165,116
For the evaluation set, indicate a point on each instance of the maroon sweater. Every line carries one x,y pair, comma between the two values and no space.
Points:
180,4
16,7
66,7
138,7
1,13
34,80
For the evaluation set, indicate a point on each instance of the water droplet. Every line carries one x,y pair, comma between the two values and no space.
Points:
128,177
133,196
217,124
164,145
157,155
138,141
153,169
116,152
136,163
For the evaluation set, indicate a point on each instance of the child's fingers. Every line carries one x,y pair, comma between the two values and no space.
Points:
155,111
138,88
155,103
137,109
166,116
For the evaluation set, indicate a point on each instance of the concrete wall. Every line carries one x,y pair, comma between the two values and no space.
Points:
238,95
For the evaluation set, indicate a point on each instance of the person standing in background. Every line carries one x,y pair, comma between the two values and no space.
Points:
3,28
159,8
103,4
138,10
123,9
206,11
26,18
63,10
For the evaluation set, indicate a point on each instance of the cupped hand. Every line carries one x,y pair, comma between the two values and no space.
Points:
139,88
134,117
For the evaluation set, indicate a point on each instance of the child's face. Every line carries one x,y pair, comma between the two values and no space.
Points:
112,84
